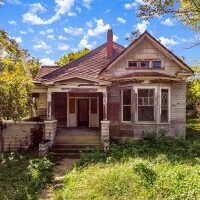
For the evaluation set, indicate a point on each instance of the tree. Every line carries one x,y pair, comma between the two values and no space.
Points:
67,58
193,90
17,68
187,11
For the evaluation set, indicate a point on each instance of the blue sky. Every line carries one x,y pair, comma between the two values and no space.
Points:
51,28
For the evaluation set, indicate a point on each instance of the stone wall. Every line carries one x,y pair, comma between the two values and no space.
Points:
18,135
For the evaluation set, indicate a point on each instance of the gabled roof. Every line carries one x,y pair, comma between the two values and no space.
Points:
156,43
88,66
44,70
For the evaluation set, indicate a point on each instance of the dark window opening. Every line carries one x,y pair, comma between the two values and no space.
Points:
164,105
72,105
145,64
93,106
132,64
145,105
126,105
156,64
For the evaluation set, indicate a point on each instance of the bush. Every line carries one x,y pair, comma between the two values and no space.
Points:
23,176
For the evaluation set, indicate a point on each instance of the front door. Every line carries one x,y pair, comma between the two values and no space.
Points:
83,112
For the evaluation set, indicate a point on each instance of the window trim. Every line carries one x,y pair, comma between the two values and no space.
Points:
122,106
130,60
169,105
136,113
161,64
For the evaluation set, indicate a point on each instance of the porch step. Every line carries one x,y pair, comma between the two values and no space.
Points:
77,139
71,150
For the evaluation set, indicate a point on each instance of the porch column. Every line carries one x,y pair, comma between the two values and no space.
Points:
49,105
105,138
105,107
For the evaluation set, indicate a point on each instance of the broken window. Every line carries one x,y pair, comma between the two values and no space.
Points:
145,63
164,105
146,105
126,104
156,64
132,64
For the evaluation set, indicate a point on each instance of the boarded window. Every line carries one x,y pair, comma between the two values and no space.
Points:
145,63
72,105
126,104
132,64
93,106
164,105
156,64
146,105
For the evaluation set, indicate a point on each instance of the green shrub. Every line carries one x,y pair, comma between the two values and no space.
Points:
23,176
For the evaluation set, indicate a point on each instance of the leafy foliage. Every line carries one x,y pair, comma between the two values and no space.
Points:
188,11
155,168
23,176
67,58
193,90
17,68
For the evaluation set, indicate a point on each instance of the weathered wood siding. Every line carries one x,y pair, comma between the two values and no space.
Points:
176,125
144,51
42,110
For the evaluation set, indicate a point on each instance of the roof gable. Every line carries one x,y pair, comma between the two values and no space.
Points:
155,43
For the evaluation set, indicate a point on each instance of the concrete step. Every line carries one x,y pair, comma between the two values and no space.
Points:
65,155
76,146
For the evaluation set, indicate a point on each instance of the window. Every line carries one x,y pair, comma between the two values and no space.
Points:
145,64
132,64
156,64
146,105
126,105
72,105
164,105
93,106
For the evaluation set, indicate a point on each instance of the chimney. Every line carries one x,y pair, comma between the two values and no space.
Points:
109,43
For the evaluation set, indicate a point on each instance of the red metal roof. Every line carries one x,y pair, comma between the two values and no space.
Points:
87,66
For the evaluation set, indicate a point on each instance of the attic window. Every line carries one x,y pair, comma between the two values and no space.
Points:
156,64
132,64
145,63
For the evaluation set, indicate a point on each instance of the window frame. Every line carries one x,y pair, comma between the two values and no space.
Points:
130,60
155,113
145,60
122,105
161,64
169,104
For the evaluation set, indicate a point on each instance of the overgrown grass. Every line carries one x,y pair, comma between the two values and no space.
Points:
23,176
155,168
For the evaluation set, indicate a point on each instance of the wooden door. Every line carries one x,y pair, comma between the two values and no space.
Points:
83,112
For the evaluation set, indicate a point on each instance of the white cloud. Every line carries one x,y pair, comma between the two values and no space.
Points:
18,2
63,47
12,22
62,7
31,30
41,45
73,31
115,38
47,61
167,41
42,32
37,7
87,3
93,32
141,27
60,37
168,22
121,20
135,3
50,30
23,32
51,37
17,39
